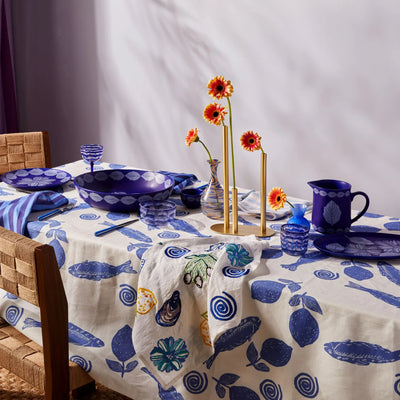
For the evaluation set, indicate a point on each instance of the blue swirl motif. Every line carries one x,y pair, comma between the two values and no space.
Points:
397,385
127,295
195,383
270,390
168,235
175,251
223,308
232,272
326,274
86,365
89,216
306,385
13,314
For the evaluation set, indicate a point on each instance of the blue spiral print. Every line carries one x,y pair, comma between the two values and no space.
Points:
13,315
306,385
397,385
232,272
168,235
195,383
326,274
176,252
86,365
127,295
270,390
223,308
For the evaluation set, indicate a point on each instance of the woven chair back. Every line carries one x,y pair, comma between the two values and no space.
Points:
24,150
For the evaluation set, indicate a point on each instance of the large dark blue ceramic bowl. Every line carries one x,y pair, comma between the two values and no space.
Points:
122,190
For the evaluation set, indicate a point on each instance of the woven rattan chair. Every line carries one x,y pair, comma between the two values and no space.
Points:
29,270
24,150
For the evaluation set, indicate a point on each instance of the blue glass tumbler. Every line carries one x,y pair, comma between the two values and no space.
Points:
294,239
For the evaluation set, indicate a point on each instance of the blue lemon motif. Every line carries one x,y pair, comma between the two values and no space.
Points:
306,385
223,308
195,383
127,295
13,315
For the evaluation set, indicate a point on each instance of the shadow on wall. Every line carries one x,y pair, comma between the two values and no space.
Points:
56,69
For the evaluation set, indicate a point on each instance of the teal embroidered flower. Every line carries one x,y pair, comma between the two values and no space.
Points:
169,354
238,255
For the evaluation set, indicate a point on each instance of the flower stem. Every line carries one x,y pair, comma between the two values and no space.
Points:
231,136
290,204
209,155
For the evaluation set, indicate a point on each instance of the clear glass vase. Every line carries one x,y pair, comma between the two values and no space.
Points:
298,218
212,199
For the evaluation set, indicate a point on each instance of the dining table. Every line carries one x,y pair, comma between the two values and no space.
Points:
181,312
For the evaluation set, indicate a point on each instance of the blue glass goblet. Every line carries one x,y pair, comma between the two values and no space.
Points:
91,153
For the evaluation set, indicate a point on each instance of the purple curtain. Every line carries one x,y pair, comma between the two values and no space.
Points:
8,101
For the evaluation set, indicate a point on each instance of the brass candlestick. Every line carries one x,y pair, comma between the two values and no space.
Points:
236,229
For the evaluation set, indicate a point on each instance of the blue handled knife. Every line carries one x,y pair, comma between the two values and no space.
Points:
114,227
56,211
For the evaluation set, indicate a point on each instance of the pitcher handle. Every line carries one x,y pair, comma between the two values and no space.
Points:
361,213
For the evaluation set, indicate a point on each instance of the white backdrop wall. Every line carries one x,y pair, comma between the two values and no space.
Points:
319,81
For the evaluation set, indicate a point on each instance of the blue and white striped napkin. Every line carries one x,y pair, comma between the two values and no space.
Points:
14,214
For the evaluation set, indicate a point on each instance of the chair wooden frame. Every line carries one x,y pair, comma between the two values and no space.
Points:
24,150
29,270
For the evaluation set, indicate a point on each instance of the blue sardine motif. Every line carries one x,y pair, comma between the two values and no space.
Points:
386,297
234,337
390,272
361,353
95,270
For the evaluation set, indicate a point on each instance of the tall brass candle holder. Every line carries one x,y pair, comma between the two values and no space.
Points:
234,228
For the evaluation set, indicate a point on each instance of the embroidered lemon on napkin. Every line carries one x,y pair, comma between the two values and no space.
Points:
145,301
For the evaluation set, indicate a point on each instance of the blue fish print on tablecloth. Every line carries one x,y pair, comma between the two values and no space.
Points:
164,394
140,248
122,348
234,337
116,216
96,270
306,259
226,381
361,353
181,225
390,272
386,297
81,337
76,335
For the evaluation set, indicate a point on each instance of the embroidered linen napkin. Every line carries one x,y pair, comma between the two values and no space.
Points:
190,291
250,203
181,180
14,213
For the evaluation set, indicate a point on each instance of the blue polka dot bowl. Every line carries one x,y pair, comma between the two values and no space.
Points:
191,197
122,190
157,213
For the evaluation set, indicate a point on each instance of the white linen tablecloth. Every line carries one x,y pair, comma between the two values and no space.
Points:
182,313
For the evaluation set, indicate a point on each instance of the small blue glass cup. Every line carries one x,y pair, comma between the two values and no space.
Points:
294,239
157,213
191,197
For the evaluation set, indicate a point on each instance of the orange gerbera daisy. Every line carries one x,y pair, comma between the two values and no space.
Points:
251,141
192,136
276,198
214,113
219,87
